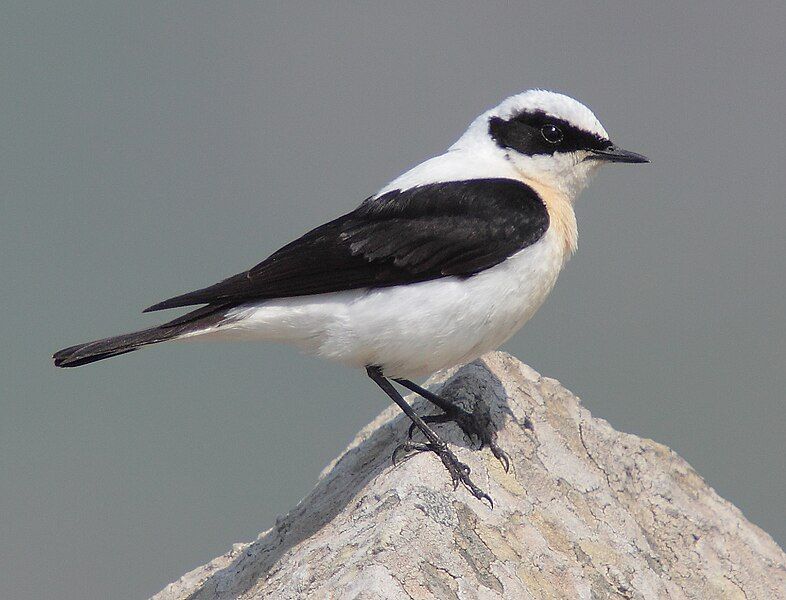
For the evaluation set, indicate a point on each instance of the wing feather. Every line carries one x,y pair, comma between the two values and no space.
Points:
443,229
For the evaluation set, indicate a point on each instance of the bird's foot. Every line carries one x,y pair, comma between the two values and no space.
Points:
459,472
476,425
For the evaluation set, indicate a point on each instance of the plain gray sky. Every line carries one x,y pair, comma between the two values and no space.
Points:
151,148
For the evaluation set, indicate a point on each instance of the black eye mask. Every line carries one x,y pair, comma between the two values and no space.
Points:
536,132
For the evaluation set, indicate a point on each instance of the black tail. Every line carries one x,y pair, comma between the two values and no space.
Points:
114,346
83,354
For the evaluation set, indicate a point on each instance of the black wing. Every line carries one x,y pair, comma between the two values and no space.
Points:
431,231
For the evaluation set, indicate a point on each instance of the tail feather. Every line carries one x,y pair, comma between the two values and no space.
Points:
83,354
64,360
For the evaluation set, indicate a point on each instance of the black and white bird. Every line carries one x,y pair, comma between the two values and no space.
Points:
441,265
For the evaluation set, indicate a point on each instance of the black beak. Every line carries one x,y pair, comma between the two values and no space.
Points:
615,154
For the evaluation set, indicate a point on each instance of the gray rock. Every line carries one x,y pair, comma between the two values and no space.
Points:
586,512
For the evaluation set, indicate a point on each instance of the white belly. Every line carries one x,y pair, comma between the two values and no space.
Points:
412,330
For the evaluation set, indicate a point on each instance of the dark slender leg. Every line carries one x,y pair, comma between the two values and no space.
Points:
440,402
476,424
459,472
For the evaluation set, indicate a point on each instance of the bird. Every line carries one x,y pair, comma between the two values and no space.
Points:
443,264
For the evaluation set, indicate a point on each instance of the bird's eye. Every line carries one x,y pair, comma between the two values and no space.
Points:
551,133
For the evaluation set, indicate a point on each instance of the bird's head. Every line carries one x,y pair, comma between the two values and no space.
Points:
549,138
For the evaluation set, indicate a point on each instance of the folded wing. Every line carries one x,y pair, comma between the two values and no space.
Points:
436,230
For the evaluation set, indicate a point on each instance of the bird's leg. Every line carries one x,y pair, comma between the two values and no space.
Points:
459,472
475,424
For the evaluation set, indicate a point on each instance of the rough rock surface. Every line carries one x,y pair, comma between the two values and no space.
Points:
586,512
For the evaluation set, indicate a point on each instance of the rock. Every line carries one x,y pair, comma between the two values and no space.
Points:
586,512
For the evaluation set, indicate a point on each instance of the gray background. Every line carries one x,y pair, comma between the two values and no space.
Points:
151,148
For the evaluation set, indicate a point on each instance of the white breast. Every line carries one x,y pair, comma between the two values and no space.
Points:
410,330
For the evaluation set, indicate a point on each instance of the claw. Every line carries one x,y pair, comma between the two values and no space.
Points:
409,449
394,456
468,423
458,471
501,456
